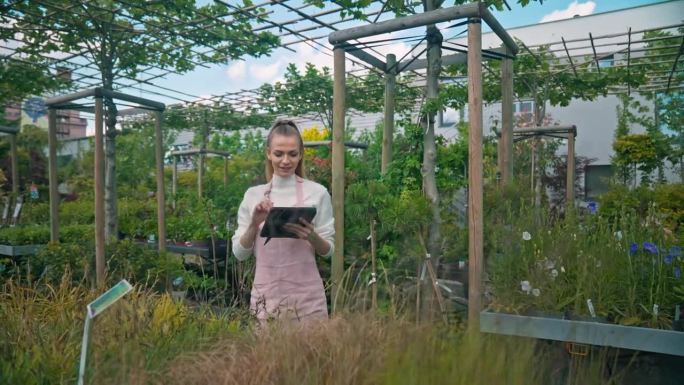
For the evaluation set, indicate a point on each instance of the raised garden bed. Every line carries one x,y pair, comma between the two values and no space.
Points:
12,251
584,332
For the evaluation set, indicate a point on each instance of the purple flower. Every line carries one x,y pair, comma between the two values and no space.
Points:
651,247
678,272
592,206
633,248
676,251
667,259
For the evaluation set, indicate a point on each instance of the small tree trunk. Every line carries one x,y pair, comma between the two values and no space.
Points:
434,55
111,211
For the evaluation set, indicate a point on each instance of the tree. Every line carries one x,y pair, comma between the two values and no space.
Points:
663,122
19,79
122,38
311,92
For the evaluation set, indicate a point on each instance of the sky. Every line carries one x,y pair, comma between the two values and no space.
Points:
251,73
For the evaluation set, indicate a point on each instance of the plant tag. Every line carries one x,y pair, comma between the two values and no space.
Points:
655,309
108,298
591,308
678,312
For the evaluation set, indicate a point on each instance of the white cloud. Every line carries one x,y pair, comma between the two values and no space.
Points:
266,73
254,72
237,71
575,8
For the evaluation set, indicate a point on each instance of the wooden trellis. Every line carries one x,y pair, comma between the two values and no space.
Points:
475,13
66,102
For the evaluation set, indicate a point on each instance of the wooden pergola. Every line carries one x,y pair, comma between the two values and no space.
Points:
66,102
200,169
557,132
474,14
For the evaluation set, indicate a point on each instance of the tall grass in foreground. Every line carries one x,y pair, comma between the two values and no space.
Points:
362,349
147,338
42,325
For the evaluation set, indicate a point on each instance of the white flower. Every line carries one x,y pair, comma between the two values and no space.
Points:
554,273
618,235
598,263
536,292
526,236
562,269
525,286
549,264
574,236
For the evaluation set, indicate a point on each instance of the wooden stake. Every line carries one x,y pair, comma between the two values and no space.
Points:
161,198
570,182
99,193
174,181
506,120
388,129
374,279
435,287
475,181
13,161
339,95
52,175
225,171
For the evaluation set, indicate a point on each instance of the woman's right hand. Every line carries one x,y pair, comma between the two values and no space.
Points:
261,212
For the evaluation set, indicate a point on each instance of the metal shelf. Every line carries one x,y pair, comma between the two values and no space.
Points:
584,332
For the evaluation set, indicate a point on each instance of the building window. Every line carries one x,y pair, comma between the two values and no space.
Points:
524,112
606,61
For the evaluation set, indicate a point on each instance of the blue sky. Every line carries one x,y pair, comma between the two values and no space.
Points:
251,73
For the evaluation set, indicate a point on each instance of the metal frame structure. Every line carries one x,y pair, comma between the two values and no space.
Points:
310,25
66,102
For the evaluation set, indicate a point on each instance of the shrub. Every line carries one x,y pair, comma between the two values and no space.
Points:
25,235
52,261
35,213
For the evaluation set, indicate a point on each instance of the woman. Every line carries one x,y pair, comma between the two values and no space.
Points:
287,284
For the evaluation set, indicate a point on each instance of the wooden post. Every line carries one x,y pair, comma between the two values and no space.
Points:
174,181
339,95
99,171
161,199
52,175
475,181
225,171
13,161
506,149
374,275
388,129
570,182
200,176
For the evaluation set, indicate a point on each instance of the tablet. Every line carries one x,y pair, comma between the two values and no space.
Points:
278,216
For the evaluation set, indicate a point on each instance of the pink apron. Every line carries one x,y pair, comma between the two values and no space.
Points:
287,284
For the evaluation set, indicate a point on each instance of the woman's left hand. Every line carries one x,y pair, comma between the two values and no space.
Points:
303,229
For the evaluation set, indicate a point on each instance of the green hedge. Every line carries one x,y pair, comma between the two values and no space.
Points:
40,234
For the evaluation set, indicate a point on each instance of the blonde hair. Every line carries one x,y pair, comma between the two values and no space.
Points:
285,127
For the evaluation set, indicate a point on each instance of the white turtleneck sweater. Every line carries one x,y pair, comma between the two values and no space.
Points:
284,194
